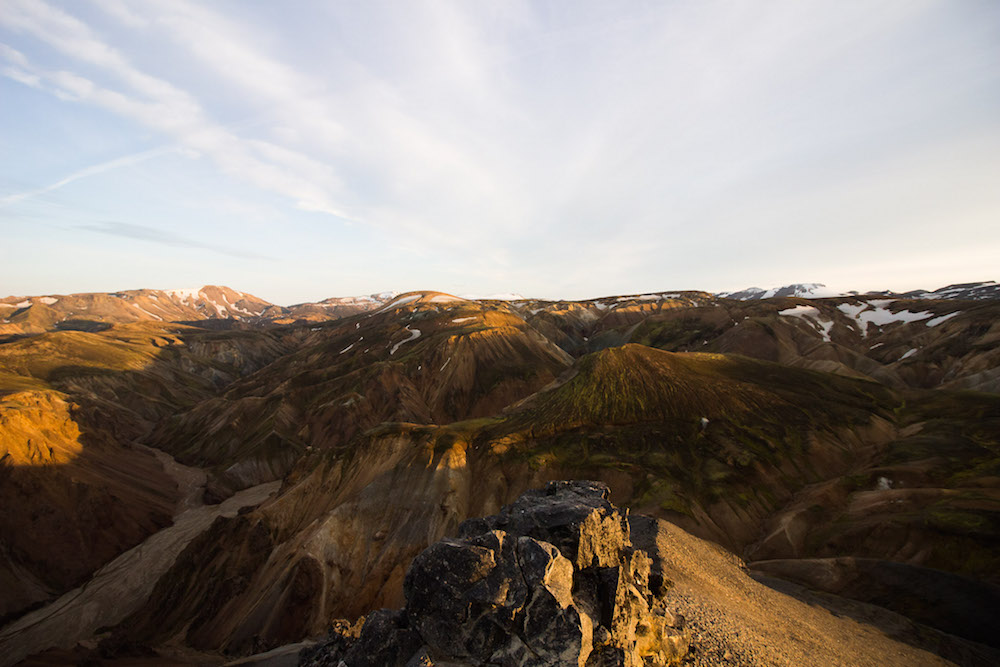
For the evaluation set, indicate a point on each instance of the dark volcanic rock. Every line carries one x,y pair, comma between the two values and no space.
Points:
553,579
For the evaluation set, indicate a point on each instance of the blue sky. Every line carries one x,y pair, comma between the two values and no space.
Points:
557,149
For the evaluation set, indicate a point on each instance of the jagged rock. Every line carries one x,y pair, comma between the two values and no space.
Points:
327,653
575,516
385,639
553,579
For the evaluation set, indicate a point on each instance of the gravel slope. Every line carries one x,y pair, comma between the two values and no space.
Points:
735,620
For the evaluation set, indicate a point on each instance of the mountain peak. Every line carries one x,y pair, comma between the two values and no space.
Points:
799,290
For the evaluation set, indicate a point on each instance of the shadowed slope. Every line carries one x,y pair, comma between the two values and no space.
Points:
74,489
424,358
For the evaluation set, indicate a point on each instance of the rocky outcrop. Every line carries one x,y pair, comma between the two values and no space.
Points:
553,579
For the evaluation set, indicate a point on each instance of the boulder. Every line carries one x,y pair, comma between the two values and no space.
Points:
553,579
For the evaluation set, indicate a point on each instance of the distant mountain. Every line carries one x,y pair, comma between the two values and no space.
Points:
335,307
223,307
502,296
799,290
96,310
969,291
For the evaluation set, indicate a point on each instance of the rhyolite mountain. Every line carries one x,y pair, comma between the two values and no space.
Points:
96,311
845,445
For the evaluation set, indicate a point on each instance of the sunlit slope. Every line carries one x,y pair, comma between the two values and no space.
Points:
96,311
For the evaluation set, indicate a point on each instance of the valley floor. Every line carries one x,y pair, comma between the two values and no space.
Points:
124,584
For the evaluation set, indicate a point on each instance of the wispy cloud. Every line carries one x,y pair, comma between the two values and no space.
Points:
93,170
564,146
427,181
161,237
161,106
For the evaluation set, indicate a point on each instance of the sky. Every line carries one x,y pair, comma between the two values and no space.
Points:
300,151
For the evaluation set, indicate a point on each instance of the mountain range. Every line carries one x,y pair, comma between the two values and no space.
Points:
200,475
92,311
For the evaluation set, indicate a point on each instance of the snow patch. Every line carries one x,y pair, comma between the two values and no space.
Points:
505,296
852,309
48,300
463,319
944,318
800,311
811,314
883,316
402,301
346,348
155,317
875,312
907,355
445,363
640,297
883,484
414,334
233,306
444,298
185,293
23,304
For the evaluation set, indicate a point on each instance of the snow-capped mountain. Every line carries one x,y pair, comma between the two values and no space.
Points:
988,289
503,296
97,310
216,301
799,290
335,307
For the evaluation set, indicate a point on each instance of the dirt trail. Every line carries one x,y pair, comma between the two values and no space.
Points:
121,586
